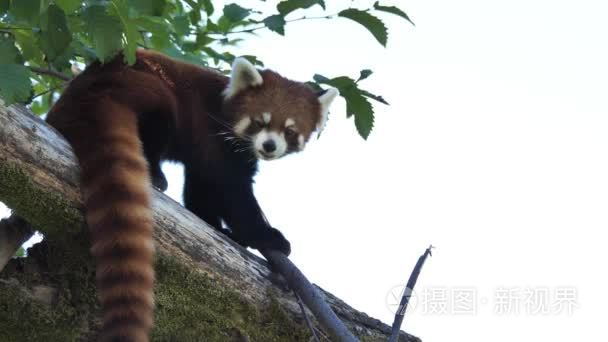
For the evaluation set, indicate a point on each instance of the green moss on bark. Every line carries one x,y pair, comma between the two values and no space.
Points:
44,210
24,319
190,305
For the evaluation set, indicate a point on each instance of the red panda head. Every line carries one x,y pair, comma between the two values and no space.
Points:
276,115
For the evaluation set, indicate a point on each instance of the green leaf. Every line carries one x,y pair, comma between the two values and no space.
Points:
130,46
69,6
208,7
148,7
8,51
189,46
286,7
226,56
62,62
159,28
202,39
120,9
321,79
235,12
104,30
393,10
314,86
26,10
224,24
374,25
40,106
193,58
4,5
29,46
84,51
160,42
275,23
365,73
253,60
210,26
152,24
55,36
364,115
181,25
343,83
15,83
356,103
195,16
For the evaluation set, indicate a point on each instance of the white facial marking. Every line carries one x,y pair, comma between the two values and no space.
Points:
242,125
266,117
266,136
289,122
300,142
243,75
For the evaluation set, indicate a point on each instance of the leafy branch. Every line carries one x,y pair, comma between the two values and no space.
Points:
269,23
357,99
35,34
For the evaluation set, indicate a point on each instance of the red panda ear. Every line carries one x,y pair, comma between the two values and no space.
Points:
325,99
243,75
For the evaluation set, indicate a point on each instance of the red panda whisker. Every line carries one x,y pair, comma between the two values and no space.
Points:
221,133
225,124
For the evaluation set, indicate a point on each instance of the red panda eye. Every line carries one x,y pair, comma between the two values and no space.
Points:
258,124
290,132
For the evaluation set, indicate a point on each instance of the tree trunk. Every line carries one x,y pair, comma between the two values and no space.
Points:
208,287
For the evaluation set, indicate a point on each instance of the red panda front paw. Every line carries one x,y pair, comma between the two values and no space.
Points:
276,240
159,181
271,238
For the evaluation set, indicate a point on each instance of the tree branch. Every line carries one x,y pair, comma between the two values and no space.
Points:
13,233
39,179
309,294
49,72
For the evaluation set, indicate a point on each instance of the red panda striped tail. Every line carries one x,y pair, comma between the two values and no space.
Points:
116,191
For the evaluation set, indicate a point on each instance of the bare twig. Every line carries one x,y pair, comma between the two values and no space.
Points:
309,324
48,90
250,30
50,72
313,299
407,293
8,29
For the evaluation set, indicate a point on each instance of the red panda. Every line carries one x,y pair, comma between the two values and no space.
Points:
122,121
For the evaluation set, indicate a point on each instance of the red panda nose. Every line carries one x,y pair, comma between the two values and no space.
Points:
269,146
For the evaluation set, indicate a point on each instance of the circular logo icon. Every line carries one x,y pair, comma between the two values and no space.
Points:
394,296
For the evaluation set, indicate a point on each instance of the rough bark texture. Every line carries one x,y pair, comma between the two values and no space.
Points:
14,231
208,287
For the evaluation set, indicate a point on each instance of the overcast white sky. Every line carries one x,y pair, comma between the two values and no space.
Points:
493,150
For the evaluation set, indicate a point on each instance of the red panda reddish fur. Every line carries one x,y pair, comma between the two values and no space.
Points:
121,122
